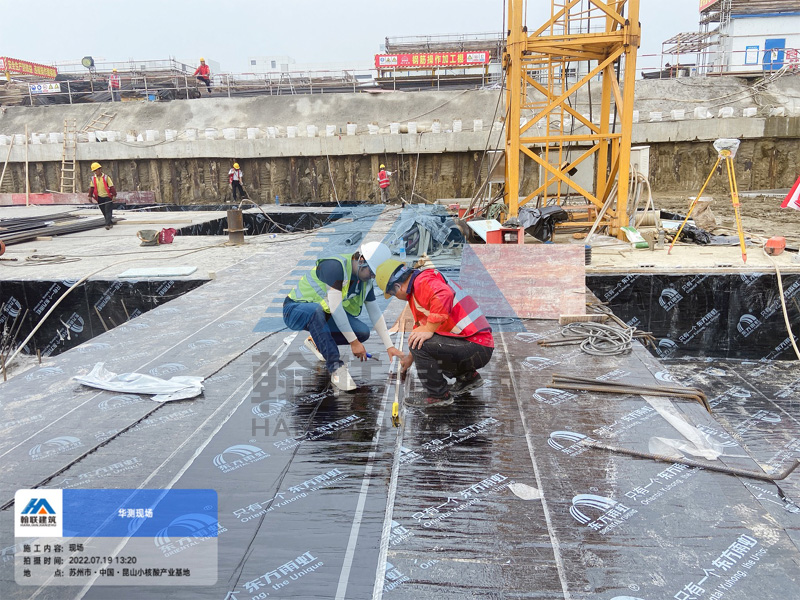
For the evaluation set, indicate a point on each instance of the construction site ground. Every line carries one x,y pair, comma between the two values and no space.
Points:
319,496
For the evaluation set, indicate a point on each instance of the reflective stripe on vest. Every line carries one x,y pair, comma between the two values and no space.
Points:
470,323
104,179
311,289
383,179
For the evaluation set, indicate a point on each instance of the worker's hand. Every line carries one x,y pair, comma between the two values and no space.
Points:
405,364
392,352
417,338
358,350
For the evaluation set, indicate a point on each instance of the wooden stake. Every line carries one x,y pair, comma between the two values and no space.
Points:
101,319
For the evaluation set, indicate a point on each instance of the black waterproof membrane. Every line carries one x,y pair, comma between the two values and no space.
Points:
95,307
722,316
258,223
491,497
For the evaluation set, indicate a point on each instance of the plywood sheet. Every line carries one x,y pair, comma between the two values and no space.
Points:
528,281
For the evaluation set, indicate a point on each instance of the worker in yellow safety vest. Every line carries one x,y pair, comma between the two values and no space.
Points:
326,302
102,191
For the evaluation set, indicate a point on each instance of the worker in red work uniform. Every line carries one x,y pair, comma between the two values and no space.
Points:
235,179
114,84
450,337
203,74
383,182
103,192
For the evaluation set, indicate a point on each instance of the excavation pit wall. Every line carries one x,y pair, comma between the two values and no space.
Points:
707,315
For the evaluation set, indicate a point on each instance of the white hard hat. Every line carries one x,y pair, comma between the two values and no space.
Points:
375,253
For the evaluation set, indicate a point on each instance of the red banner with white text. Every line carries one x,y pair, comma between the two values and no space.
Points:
427,60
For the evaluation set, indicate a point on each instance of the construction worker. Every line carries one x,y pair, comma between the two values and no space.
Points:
114,85
102,191
326,302
383,182
451,336
235,179
203,74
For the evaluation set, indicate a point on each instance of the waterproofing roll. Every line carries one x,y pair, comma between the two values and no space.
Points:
354,238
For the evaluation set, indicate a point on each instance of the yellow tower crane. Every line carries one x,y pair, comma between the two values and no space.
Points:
583,42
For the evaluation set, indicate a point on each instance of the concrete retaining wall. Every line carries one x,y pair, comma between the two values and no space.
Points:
283,157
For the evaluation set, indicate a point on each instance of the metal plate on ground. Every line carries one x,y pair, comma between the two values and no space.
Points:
526,281
157,272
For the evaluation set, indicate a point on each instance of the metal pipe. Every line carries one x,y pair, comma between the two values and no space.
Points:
695,463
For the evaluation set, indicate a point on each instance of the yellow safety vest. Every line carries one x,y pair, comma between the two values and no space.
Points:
311,289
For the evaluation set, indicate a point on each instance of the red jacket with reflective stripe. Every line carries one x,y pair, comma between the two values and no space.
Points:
383,179
434,299
203,71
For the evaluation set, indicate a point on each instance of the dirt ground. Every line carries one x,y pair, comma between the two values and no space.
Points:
761,215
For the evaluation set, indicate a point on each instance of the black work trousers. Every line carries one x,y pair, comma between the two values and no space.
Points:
237,186
443,354
106,206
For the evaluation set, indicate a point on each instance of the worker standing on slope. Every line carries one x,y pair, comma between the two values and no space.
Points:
383,182
451,336
114,85
103,192
203,74
326,302
235,179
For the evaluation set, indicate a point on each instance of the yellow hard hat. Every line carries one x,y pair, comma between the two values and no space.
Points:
113,70
235,165
95,166
202,59
384,274
383,166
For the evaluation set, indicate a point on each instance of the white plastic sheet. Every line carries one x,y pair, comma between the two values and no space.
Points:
165,390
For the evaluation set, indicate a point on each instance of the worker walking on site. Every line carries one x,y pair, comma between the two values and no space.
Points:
451,336
114,85
235,179
326,302
203,74
383,182
102,191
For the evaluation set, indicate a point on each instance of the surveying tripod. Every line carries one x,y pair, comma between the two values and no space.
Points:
726,149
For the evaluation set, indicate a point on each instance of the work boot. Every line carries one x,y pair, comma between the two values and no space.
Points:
108,226
466,383
425,402
341,379
309,343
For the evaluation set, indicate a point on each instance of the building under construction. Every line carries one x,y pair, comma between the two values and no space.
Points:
631,243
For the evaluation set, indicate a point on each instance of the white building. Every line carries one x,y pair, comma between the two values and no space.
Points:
750,36
764,42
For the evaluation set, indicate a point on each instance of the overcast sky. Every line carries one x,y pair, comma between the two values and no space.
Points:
310,31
